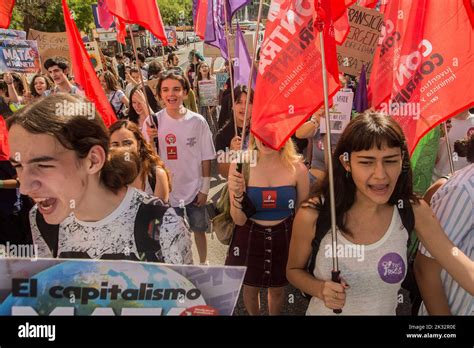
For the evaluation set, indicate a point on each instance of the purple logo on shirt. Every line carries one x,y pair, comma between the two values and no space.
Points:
391,268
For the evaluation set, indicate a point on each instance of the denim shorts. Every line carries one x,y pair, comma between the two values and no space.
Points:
196,216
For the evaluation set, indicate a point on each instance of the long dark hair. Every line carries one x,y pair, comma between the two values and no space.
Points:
76,132
148,159
132,113
362,133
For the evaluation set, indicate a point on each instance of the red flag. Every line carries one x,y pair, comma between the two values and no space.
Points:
368,3
4,148
84,72
289,83
121,30
422,73
6,10
470,10
201,19
143,12
342,28
338,7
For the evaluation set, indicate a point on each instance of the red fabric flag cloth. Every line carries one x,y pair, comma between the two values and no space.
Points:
338,7
143,12
6,10
368,3
201,19
121,31
4,148
289,83
84,72
423,67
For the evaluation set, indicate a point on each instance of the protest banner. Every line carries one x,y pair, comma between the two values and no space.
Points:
95,14
171,35
359,47
340,112
50,45
20,56
94,54
10,34
95,287
207,93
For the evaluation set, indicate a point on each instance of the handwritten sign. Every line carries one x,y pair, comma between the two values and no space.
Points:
50,45
359,47
340,112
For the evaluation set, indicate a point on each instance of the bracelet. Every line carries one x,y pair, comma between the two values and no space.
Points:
239,197
206,185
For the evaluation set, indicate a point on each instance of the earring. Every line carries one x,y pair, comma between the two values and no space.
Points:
347,174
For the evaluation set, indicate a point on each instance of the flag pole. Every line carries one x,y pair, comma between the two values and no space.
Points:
448,146
335,274
231,73
143,84
252,69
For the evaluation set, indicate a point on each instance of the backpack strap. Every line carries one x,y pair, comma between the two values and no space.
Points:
322,228
147,232
152,178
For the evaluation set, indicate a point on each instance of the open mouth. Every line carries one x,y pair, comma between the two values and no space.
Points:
380,189
172,100
46,205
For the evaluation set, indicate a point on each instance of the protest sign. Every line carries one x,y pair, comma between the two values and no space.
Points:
340,112
95,287
20,56
50,45
94,54
359,47
171,35
207,93
221,79
10,34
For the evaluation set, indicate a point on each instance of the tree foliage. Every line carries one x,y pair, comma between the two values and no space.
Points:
47,15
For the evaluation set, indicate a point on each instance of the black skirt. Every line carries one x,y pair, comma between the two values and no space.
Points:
264,250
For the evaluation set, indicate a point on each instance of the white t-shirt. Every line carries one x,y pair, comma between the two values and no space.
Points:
115,236
115,98
460,129
374,272
453,205
184,143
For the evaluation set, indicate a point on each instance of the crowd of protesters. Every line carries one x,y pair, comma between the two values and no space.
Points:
79,190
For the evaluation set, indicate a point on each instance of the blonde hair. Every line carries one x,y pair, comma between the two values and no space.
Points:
288,154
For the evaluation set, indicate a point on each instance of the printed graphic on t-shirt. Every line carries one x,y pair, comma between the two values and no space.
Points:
191,141
170,139
391,268
172,152
269,199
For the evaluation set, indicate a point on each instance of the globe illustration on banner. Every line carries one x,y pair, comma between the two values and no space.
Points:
104,275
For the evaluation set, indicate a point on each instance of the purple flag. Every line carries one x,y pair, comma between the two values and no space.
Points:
195,8
104,17
215,28
243,62
236,5
361,102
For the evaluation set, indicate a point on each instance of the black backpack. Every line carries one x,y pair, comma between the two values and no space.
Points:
408,220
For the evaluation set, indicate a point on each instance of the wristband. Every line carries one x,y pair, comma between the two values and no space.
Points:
206,185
